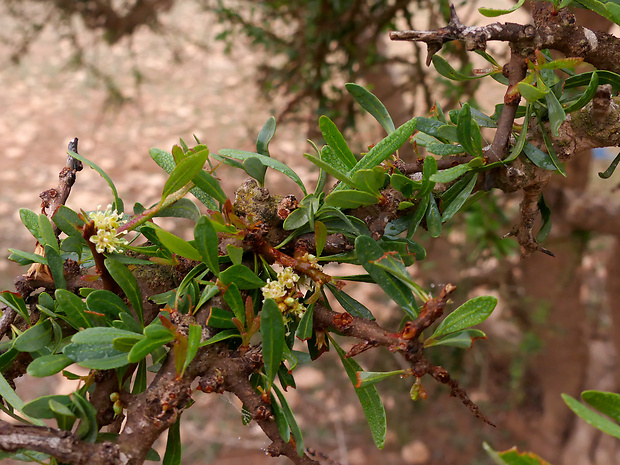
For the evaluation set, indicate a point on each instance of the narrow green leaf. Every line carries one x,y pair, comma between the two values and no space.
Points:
182,208
264,137
35,337
128,284
538,157
290,419
386,147
207,243
545,213
233,298
368,378
68,221
221,336
26,258
336,141
556,113
272,332
174,450
613,12
591,417
193,343
140,382
586,96
445,149
468,132
234,253
471,313
609,171
185,172
56,266
370,181
368,251
446,70
531,93
320,237
605,77
48,365
492,12
327,163
255,169
46,230
349,199
372,105
513,457
433,218
369,398
551,150
96,356
450,209
267,161
88,428
607,403
220,318
304,330
101,335
31,221
461,339
280,419
351,305
296,220
16,302
177,245
11,398
242,276
118,203
73,307
144,347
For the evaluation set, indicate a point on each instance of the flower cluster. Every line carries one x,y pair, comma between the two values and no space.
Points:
284,292
107,223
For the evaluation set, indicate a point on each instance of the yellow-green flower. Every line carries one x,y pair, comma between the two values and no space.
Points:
107,223
284,292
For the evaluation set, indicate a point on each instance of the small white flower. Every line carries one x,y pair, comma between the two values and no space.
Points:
106,223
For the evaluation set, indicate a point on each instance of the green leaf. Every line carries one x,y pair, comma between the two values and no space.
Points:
492,12
556,113
386,147
128,284
320,237
471,313
445,149
26,258
35,337
290,419
607,403
538,157
68,221
368,251
335,140
207,243
182,208
174,450
349,199
433,218
591,417
221,336
369,398
31,221
48,365
531,93
368,378
140,382
193,343
106,302
233,298
118,203
513,457
100,335
96,356
185,172
461,339
56,266
267,161
48,237
545,212
446,70
255,169
264,137
297,219
584,97
177,245
11,398
242,276
351,305
372,105
609,171
468,132
613,11
304,329
272,333
73,307
88,428
16,302
605,77
370,181
550,150
451,208
40,407
144,347
279,418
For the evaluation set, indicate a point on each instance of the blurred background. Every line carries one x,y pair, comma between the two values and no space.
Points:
127,75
